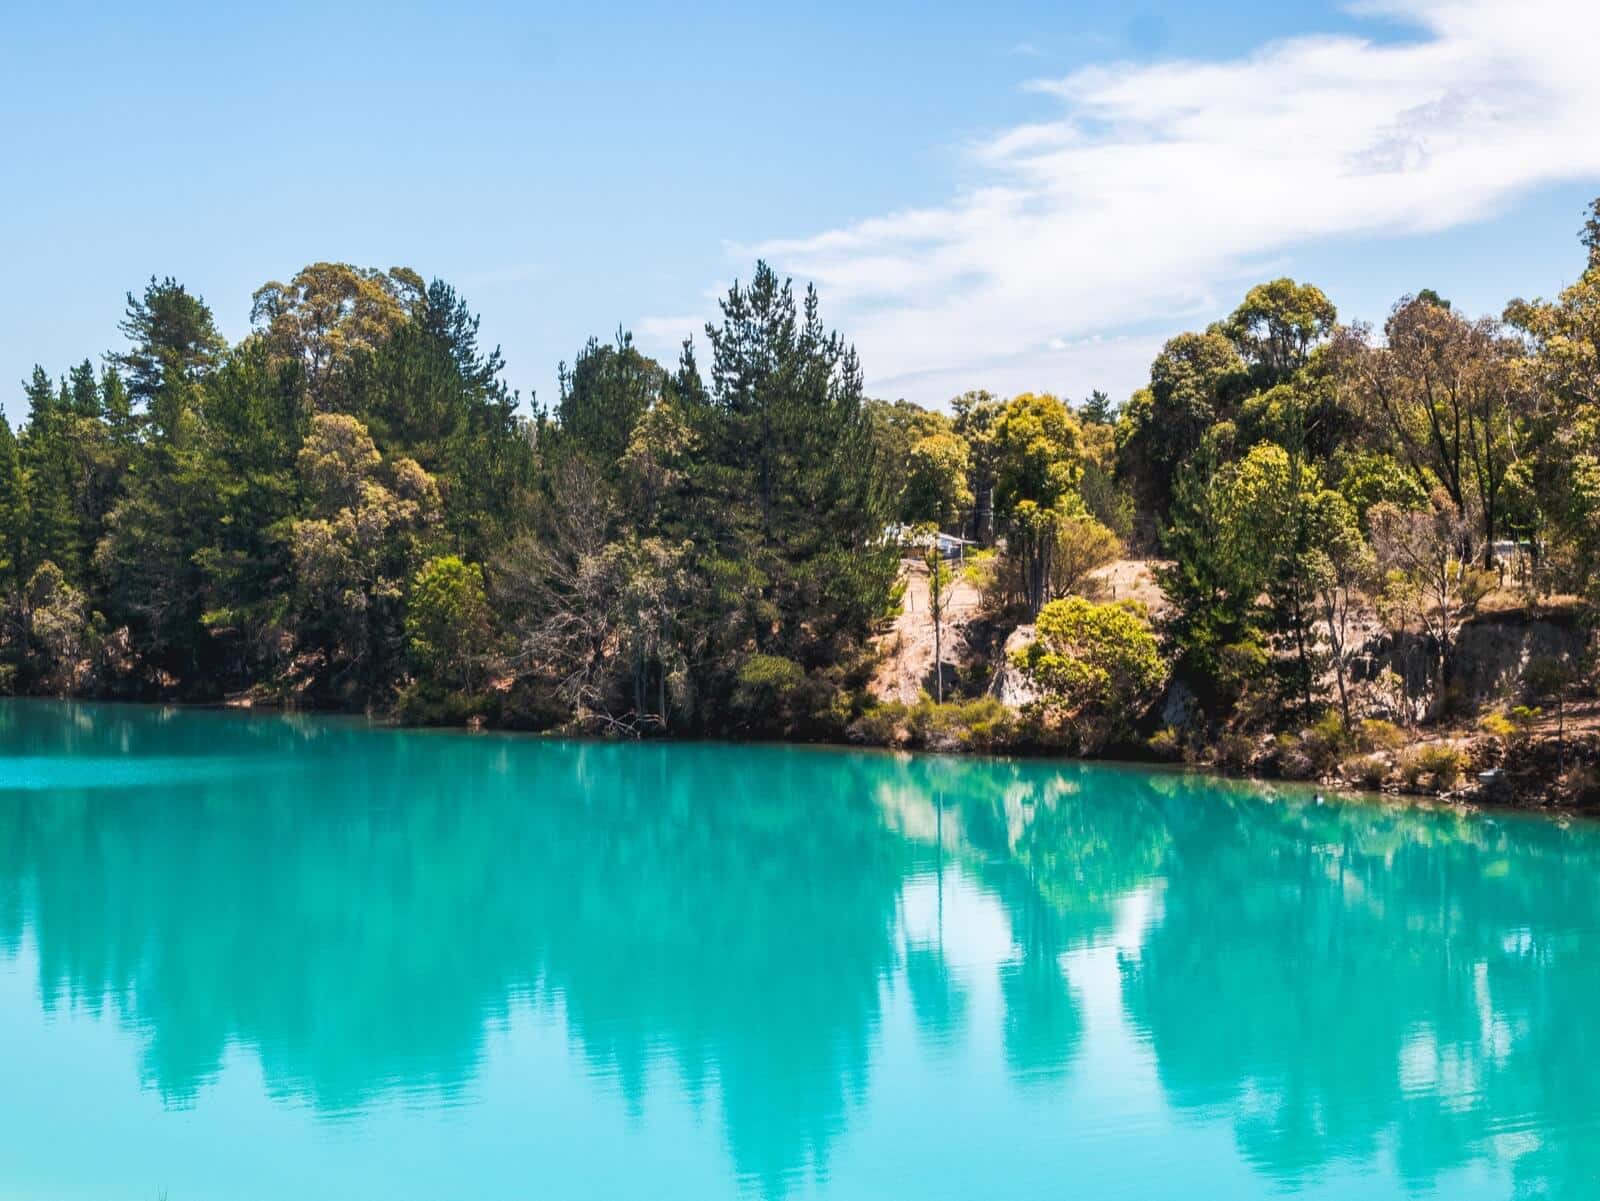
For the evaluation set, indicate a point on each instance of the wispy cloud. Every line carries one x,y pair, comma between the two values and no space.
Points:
1152,187
669,332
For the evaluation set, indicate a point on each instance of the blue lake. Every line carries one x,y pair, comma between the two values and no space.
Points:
299,958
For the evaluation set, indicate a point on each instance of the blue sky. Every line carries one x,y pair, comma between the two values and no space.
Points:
1011,195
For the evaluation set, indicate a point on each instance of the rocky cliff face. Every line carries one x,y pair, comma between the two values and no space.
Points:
1491,653
1008,684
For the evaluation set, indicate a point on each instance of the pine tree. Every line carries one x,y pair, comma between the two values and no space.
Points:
83,392
174,344
116,407
602,398
50,530
13,512
798,503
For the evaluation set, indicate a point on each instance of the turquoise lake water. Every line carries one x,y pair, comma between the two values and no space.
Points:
302,958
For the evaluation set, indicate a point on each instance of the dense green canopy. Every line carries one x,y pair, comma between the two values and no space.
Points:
350,507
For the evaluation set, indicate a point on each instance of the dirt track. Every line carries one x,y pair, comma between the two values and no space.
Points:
907,667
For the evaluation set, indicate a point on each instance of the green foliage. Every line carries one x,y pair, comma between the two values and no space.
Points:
1317,749
1036,445
1329,731
1098,409
1370,771
1375,734
1083,546
370,522
1107,501
1326,740
976,415
1451,398
1293,758
1032,534
1195,383
603,397
330,317
1367,478
788,487
983,725
1278,324
1434,766
1226,540
302,514
936,488
447,622
1166,743
59,631
1095,666
174,344
1497,725
1052,543
422,703
1523,719
768,692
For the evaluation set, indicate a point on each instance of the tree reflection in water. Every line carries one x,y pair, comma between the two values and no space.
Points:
358,907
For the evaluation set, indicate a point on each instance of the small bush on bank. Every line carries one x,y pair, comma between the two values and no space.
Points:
883,724
1234,751
1436,766
984,724
1523,718
1095,668
422,704
1293,761
1497,725
1370,771
1375,734
1315,750
766,683
1166,743
1325,741
978,725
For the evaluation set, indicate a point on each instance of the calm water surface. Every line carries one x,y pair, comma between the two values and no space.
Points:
264,957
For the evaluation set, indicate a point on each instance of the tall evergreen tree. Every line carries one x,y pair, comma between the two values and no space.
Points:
116,407
602,398
83,391
50,531
792,469
13,513
429,393
174,344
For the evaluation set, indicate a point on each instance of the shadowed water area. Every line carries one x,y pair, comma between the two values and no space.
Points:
282,957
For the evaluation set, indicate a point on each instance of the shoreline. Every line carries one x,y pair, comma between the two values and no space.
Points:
1473,799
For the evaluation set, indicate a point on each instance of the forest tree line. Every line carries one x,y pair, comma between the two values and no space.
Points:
349,507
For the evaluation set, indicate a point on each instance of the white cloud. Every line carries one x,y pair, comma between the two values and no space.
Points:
1154,187
666,334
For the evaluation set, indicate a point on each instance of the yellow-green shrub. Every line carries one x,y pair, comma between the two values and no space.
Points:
1325,740
984,724
1497,725
1165,743
1375,734
1368,770
1439,762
